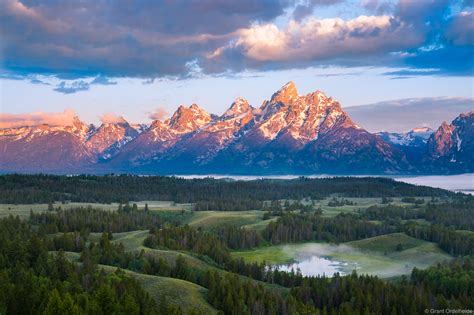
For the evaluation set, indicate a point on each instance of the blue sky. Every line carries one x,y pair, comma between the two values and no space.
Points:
143,59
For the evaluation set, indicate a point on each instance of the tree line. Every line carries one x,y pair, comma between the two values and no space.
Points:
209,192
300,227
88,219
458,214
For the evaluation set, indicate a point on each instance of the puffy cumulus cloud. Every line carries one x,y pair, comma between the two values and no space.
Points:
323,39
421,35
158,114
152,39
64,118
121,38
111,118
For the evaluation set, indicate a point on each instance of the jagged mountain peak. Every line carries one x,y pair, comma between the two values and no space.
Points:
195,107
444,128
288,99
76,121
188,119
286,94
298,118
471,113
320,97
114,125
80,129
463,117
238,107
112,134
157,124
453,145
183,110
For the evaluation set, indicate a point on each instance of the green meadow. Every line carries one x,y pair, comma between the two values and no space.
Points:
385,256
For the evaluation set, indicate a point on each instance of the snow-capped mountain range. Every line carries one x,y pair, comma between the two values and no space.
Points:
415,137
288,134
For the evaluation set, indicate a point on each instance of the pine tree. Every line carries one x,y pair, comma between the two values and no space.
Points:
69,307
107,300
55,304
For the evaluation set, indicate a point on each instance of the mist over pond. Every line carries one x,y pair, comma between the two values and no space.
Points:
315,266
318,259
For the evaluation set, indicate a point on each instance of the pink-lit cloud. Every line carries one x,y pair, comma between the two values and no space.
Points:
158,114
319,39
64,118
111,118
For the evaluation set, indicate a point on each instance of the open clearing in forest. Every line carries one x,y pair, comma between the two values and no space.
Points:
374,256
361,204
216,219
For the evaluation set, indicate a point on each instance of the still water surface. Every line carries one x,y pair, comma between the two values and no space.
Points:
315,266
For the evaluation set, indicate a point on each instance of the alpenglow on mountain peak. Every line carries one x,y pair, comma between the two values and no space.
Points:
286,93
288,134
187,119
238,107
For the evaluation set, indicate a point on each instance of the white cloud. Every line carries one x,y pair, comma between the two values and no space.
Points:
317,39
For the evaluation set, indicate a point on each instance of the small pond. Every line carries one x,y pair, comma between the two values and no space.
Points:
316,266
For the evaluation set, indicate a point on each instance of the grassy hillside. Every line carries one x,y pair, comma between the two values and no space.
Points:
387,243
216,219
133,241
187,295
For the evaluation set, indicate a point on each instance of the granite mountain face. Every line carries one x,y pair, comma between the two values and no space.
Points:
288,134
451,147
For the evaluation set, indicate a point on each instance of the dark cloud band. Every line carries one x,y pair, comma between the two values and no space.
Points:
77,39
